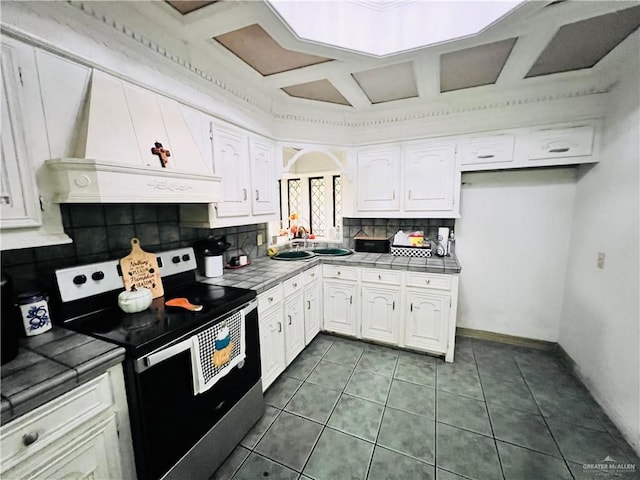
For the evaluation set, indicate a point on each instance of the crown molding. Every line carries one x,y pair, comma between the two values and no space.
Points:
396,114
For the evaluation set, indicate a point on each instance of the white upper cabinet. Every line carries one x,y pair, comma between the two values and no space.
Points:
263,176
378,180
417,178
575,141
231,162
28,218
488,150
246,164
429,174
19,199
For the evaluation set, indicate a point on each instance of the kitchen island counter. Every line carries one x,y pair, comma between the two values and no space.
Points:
264,272
51,364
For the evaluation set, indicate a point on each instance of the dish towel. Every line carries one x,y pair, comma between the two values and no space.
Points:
216,351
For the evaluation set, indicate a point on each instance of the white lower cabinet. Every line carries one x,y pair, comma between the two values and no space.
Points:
426,320
381,305
340,299
293,318
272,350
83,433
312,303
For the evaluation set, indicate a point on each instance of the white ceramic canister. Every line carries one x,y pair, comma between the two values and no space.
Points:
35,313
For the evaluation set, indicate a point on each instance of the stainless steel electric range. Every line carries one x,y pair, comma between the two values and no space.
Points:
188,412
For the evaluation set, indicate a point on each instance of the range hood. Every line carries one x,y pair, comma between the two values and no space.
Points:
133,146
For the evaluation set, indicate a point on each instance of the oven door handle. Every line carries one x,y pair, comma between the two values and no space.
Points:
148,361
152,359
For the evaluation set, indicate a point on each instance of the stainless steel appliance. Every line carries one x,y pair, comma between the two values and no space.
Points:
177,433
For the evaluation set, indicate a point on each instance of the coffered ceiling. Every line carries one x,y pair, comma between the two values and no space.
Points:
540,46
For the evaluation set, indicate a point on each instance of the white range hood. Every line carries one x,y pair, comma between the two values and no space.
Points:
113,160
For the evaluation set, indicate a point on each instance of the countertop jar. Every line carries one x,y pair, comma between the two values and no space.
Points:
35,313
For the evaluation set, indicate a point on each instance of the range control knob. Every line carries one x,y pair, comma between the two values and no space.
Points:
99,275
80,279
186,257
176,259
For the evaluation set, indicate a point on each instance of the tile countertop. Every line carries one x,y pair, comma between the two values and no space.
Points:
264,273
51,364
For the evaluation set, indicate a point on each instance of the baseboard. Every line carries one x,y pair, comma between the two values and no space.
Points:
503,338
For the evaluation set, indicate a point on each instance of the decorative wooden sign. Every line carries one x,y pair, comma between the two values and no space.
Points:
141,269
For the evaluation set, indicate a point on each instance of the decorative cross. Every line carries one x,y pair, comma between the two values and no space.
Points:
163,154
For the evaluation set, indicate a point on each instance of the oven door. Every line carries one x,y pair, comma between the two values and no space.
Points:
169,419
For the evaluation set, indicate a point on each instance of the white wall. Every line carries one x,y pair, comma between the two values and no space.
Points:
601,314
512,242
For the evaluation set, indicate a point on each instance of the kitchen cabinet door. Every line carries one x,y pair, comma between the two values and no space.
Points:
340,307
380,311
427,319
263,177
428,176
272,347
19,196
378,180
293,326
231,162
312,310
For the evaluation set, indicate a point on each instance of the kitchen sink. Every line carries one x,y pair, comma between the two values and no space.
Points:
293,255
334,252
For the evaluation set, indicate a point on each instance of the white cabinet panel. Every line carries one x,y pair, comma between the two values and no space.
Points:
293,325
272,347
340,306
312,310
492,149
19,200
231,162
380,312
561,142
378,180
429,176
427,320
263,176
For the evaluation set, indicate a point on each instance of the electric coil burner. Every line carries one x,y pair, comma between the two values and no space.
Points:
193,378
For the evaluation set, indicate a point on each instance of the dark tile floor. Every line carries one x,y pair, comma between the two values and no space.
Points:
350,410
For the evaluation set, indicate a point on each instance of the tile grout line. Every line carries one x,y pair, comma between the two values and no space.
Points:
544,419
324,425
384,408
493,433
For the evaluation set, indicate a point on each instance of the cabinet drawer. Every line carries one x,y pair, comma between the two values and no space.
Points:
34,431
337,271
389,277
310,275
561,142
430,280
271,297
292,285
490,149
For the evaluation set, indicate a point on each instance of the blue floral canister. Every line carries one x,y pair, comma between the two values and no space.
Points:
35,313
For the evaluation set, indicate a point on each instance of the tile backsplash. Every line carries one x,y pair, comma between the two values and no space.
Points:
387,227
103,232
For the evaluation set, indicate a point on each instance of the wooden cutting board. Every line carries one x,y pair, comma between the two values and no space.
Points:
141,269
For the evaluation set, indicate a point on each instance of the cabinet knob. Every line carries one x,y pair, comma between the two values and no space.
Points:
289,319
295,285
257,195
270,299
338,272
308,304
279,327
30,438
428,282
379,277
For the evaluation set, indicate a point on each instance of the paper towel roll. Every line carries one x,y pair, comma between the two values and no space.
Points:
213,266
443,241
